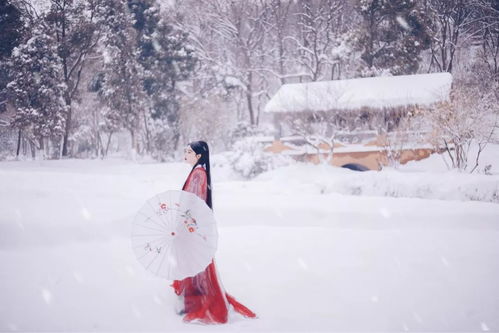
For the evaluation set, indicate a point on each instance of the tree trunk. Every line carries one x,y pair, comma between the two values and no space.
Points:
148,135
61,140
134,144
176,139
18,143
65,144
249,99
32,146
98,146
108,143
250,107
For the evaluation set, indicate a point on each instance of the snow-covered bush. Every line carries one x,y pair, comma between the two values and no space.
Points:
248,158
243,130
470,118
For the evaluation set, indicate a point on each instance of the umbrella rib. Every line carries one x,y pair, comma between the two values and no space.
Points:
168,249
161,263
144,235
171,250
181,198
147,227
151,241
195,250
153,260
207,244
162,242
142,256
153,221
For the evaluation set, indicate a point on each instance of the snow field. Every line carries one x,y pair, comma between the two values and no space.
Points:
295,246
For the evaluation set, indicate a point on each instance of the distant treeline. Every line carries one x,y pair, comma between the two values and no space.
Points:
73,73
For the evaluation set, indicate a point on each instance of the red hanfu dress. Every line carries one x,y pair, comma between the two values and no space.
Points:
204,296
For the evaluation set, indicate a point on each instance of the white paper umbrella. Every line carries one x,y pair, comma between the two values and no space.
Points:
174,235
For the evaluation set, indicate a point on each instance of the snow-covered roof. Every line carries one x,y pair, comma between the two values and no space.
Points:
373,92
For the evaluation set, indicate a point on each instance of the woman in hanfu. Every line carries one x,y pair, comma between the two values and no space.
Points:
202,297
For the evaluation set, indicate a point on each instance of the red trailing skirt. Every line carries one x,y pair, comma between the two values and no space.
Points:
206,300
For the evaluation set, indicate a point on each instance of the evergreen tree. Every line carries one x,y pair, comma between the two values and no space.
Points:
11,30
73,25
167,58
121,81
392,36
37,88
10,27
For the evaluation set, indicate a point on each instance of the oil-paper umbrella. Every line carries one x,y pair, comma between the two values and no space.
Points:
174,235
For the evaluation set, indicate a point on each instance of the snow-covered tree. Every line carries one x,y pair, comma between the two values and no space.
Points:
279,20
486,35
392,35
37,89
11,27
120,84
73,25
318,130
318,23
215,88
11,31
451,22
167,59
231,41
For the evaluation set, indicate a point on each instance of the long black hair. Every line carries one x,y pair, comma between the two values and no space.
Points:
201,147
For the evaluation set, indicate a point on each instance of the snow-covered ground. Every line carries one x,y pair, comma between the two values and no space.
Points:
308,248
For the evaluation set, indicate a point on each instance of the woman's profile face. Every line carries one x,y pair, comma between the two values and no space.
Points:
190,156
